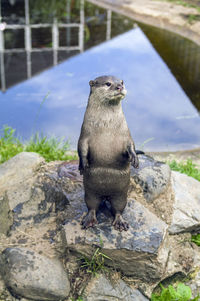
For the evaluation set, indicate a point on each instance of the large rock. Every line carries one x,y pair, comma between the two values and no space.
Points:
33,276
101,288
186,208
16,179
134,252
194,280
153,177
27,192
19,167
47,202
17,176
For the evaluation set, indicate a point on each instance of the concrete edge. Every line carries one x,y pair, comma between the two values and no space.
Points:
153,21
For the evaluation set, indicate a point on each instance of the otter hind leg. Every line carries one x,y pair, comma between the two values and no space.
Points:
118,203
92,203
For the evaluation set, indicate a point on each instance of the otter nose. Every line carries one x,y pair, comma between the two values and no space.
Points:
119,87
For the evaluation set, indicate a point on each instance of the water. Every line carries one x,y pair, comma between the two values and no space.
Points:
45,70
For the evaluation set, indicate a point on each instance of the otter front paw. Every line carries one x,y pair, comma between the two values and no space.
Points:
132,156
135,161
89,220
83,165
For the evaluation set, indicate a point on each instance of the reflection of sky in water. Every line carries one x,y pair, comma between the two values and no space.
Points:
155,105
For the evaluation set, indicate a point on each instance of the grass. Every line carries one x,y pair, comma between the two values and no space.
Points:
196,239
95,264
49,148
181,292
9,144
188,168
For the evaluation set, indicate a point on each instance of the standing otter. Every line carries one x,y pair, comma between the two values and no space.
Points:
106,149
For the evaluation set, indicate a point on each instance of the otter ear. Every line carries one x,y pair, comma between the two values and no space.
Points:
91,83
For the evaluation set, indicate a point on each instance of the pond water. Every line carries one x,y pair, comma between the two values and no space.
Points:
48,57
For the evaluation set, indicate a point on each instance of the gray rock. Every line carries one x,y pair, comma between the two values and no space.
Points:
22,164
135,252
194,284
32,276
194,280
4,293
45,197
101,288
186,209
153,177
27,193
16,177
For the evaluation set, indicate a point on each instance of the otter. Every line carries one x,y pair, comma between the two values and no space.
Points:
106,150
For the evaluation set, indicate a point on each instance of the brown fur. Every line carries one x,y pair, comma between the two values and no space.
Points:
106,149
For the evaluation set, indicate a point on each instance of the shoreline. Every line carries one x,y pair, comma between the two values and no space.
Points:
162,14
182,155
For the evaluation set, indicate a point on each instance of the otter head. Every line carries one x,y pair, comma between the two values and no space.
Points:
107,90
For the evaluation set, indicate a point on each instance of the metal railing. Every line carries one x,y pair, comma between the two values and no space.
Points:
27,27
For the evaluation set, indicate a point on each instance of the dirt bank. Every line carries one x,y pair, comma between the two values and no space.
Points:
168,15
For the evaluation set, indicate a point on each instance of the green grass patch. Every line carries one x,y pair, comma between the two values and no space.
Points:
9,144
196,239
171,293
49,148
95,264
188,168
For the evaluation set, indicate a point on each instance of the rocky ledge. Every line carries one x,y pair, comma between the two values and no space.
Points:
41,207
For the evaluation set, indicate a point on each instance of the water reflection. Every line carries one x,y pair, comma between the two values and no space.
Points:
156,106
181,56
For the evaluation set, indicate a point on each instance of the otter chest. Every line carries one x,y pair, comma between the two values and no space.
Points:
107,148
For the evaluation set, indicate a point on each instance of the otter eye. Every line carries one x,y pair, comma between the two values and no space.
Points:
108,84
122,82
